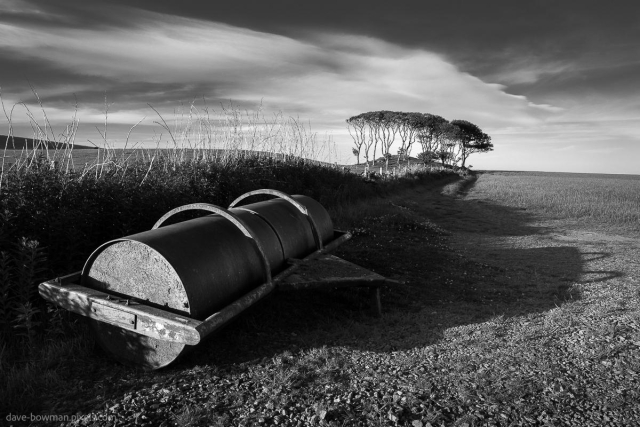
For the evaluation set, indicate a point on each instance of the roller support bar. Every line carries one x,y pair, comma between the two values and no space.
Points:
121,312
164,325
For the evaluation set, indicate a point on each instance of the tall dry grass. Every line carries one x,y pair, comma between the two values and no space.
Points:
194,133
43,132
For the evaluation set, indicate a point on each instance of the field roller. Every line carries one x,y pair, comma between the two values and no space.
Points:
154,295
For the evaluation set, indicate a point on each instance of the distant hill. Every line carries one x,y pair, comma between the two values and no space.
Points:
20,143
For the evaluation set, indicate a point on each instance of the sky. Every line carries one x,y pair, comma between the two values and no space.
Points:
555,84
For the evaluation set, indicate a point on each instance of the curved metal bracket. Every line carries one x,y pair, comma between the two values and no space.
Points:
230,216
270,192
288,198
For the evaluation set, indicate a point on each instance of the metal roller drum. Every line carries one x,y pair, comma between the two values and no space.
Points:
319,215
299,221
196,268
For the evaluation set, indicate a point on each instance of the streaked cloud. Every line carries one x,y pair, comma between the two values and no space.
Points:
333,77
532,79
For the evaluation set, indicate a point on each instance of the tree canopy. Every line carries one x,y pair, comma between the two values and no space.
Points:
450,142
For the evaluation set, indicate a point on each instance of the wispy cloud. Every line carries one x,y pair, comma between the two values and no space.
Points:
139,57
524,69
336,75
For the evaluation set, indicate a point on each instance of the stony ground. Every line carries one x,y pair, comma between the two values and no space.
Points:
505,318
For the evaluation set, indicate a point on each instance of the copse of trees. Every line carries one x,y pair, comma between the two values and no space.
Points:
450,143
471,139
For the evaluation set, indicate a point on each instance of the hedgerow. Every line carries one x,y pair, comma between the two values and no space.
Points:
52,219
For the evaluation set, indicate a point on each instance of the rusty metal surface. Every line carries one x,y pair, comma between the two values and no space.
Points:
220,318
210,268
317,216
265,236
329,271
270,192
69,278
330,265
133,269
339,238
145,320
152,296
290,225
131,348
295,263
232,218
294,283
195,267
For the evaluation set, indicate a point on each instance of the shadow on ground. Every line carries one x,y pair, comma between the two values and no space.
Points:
446,286
461,265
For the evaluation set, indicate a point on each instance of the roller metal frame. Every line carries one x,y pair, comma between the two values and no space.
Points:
313,271
288,198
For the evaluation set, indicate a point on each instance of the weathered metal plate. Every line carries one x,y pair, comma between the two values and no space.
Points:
131,348
148,336
292,228
319,216
113,316
193,268
139,318
330,271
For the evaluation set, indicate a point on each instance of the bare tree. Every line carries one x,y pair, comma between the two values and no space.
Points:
356,152
373,123
388,130
356,127
408,125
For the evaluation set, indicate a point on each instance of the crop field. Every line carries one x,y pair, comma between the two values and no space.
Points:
610,199
76,158
80,159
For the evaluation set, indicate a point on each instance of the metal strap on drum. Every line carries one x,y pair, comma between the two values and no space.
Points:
231,217
288,198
